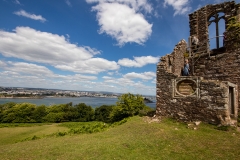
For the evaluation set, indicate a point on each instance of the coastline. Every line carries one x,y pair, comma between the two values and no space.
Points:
56,97
21,97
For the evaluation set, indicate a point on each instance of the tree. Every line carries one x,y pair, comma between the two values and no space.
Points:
39,113
103,112
85,113
54,117
61,113
19,113
127,105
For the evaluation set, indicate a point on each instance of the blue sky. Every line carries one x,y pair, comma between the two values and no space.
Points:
90,45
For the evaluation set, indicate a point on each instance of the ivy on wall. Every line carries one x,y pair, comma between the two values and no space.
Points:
232,36
233,28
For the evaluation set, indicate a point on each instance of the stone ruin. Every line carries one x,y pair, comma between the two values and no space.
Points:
210,93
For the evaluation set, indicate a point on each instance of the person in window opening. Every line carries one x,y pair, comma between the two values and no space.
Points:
195,43
186,68
224,38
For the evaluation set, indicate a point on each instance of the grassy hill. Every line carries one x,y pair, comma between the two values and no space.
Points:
135,139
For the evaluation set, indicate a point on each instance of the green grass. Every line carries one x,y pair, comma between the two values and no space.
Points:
135,139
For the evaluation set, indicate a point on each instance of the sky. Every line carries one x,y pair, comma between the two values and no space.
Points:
90,45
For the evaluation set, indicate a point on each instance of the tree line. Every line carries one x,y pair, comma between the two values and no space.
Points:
126,106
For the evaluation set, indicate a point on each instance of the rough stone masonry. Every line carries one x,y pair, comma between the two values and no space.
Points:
210,93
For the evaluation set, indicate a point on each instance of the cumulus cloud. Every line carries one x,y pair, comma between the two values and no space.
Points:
29,15
126,84
28,68
43,47
138,61
144,76
2,64
68,3
135,4
180,6
23,70
17,2
128,78
93,66
122,22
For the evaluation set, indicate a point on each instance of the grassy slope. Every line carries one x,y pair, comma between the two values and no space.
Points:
135,139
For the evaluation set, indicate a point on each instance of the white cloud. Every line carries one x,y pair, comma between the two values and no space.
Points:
126,84
154,81
93,66
2,64
135,4
17,2
32,75
28,68
24,74
144,76
75,78
42,47
180,6
127,79
138,61
68,3
122,23
29,15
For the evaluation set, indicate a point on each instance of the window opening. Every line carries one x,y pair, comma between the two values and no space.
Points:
231,100
216,27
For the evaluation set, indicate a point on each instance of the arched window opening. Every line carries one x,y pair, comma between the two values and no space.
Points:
216,28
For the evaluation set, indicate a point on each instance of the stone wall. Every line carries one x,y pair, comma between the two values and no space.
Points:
207,101
169,68
223,67
198,22
211,93
174,62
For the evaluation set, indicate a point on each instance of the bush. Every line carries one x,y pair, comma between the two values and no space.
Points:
128,105
19,113
39,113
84,113
103,112
146,111
54,117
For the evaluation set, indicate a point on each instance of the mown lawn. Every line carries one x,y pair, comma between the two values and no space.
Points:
135,139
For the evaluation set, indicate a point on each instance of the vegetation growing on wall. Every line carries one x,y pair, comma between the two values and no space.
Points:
233,30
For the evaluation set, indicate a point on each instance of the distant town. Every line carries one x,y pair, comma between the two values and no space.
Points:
18,92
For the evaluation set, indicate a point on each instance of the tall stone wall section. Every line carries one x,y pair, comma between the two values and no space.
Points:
211,93
208,103
222,67
211,106
168,68
198,22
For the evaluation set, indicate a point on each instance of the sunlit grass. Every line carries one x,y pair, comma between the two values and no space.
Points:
135,139
15,134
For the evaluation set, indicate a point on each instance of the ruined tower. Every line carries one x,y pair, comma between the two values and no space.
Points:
210,93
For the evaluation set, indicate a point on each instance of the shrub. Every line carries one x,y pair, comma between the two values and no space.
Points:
103,112
54,117
146,111
84,113
19,113
39,113
127,105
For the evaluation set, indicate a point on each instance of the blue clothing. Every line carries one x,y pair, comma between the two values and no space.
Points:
186,70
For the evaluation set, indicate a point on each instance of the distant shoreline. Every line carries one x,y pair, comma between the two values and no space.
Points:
50,97
21,97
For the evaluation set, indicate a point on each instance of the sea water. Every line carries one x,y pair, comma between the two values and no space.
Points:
48,101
